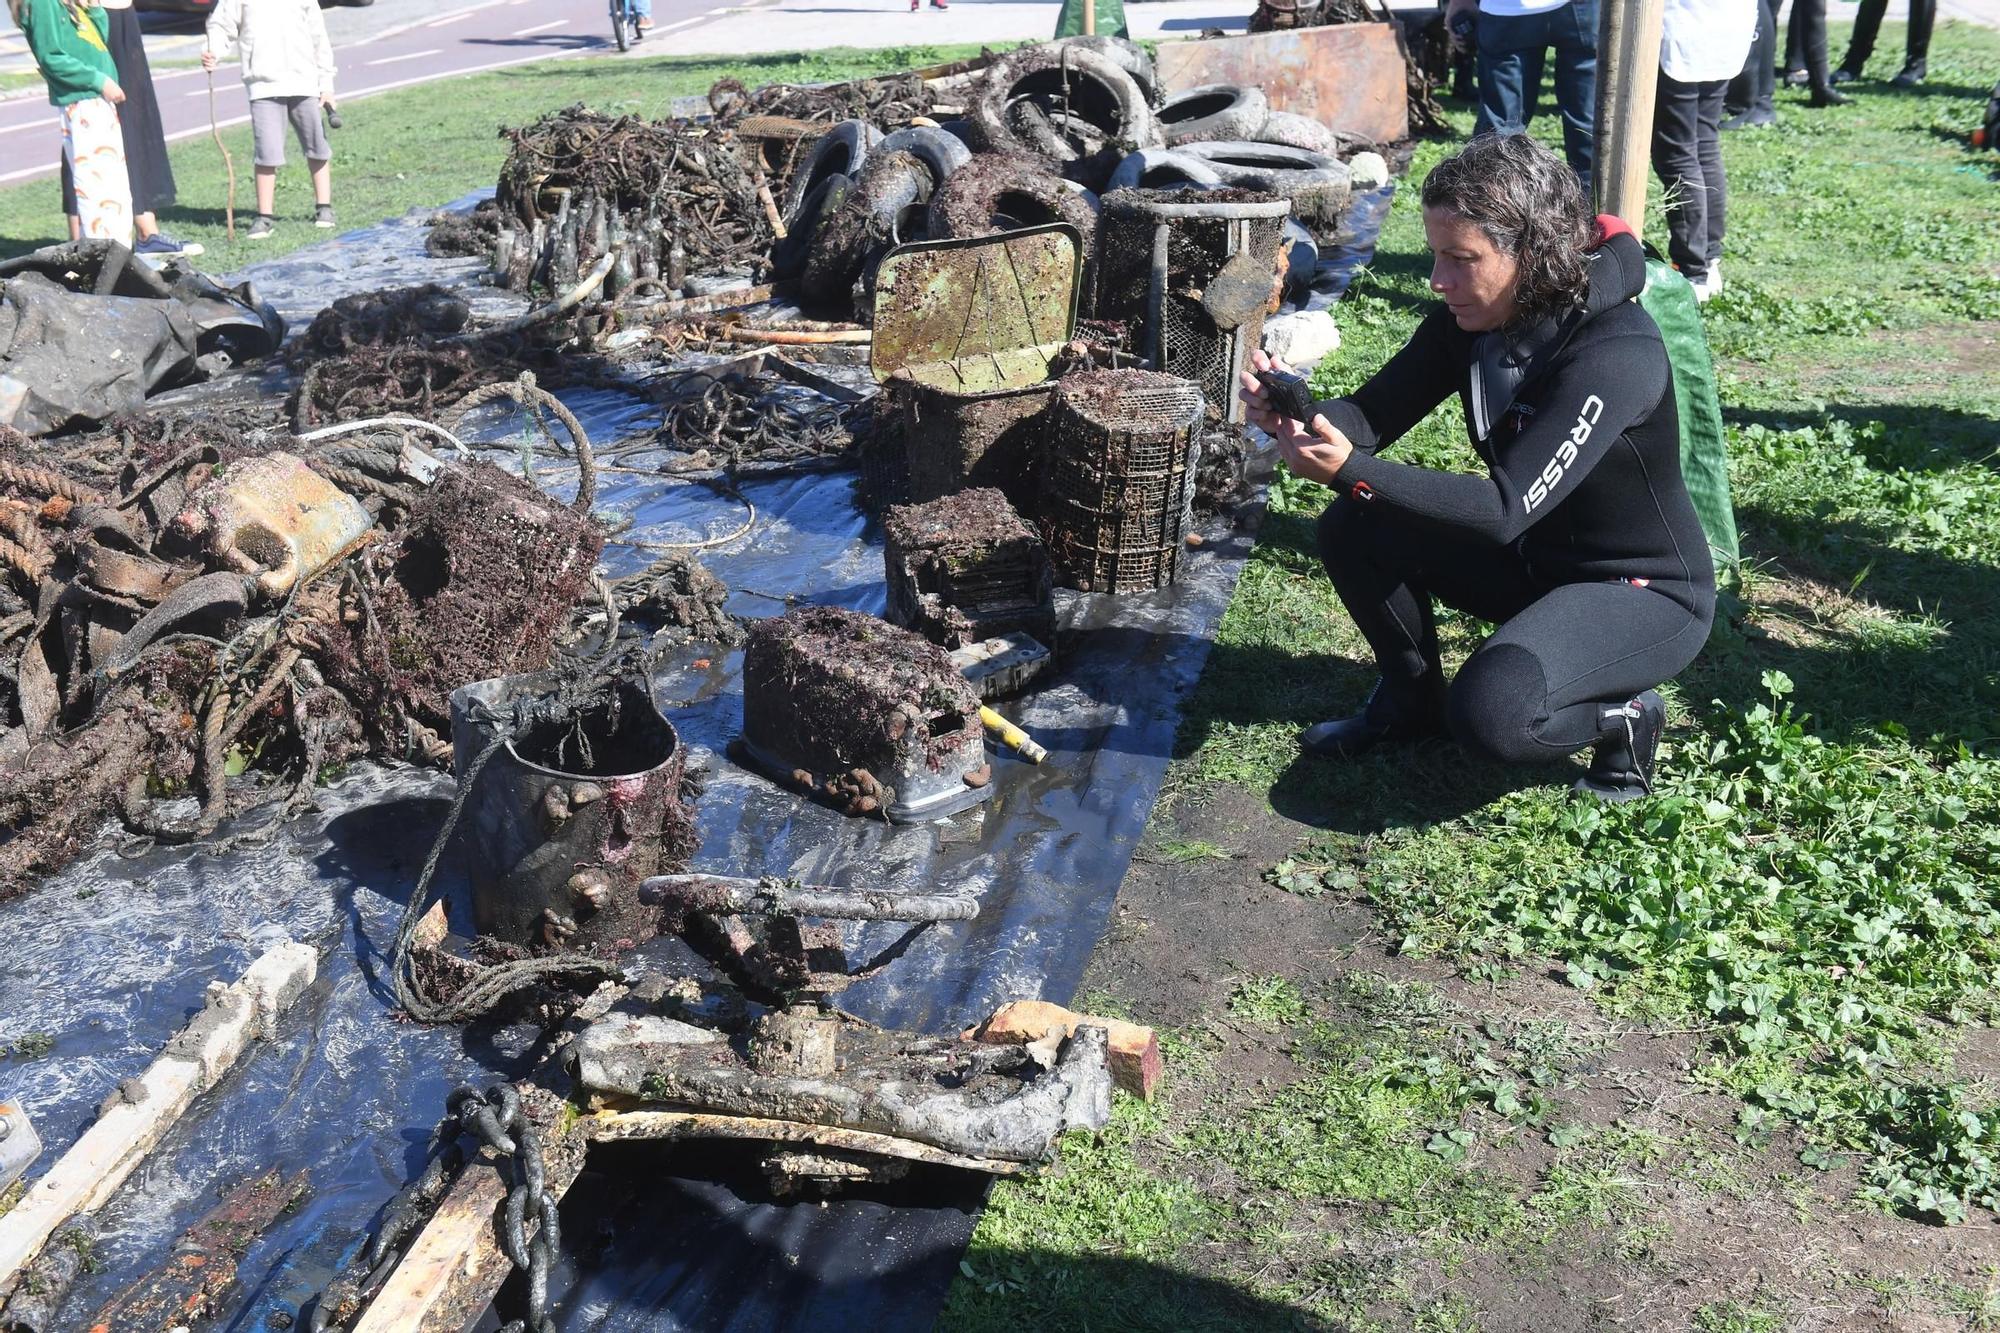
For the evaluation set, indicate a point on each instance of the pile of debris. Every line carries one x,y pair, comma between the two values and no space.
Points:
652,202
185,591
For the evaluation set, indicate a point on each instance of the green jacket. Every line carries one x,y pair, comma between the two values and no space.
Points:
71,45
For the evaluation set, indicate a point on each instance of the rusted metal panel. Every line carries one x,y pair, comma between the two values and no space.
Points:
976,315
1349,75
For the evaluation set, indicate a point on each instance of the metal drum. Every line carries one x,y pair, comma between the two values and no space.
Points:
580,804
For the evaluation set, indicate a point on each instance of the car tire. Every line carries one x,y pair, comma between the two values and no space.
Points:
1317,184
1160,168
1225,111
1296,131
841,151
937,149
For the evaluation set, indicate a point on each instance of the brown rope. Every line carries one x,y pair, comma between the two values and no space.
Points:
45,482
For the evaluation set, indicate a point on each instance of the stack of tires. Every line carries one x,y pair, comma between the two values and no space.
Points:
1046,129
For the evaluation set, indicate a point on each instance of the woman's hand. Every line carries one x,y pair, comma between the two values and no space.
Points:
1251,391
1315,452
112,92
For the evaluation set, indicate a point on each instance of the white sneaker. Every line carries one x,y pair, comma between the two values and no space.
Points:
1710,285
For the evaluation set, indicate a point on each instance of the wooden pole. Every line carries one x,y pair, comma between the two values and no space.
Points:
147,1106
1090,18
1628,72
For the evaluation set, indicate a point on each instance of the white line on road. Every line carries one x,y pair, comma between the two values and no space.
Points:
669,27
413,55
450,19
544,27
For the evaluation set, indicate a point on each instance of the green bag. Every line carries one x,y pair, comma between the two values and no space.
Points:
1110,18
1669,299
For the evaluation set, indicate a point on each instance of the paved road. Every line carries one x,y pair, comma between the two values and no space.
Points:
430,41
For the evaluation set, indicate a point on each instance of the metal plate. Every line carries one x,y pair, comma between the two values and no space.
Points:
1349,76
979,314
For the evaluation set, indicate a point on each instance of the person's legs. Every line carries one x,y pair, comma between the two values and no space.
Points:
1867,22
1708,147
1386,571
1573,33
1917,46
96,155
1678,163
1795,50
309,123
1510,71
1540,687
1812,35
1750,92
267,139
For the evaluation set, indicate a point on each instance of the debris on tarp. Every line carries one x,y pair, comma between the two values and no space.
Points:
966,567
866,716
584,793
677,594
86,333
718,421
192,1286
181,593
666,198
142,1108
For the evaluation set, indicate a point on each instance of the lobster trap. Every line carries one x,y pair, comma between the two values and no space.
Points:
1117,497
964,335
1197,271
967,568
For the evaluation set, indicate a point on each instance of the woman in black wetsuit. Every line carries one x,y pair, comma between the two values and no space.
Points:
1580,541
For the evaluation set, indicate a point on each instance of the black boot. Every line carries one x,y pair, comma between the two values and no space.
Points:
1913,74
1622,768
1408,712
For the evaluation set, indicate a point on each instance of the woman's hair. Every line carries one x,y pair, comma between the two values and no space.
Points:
1528,203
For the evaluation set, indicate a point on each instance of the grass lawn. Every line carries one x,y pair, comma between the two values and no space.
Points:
382,169
1449,1051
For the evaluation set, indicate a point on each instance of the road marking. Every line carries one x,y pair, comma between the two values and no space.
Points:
52,123
669,27
530,32
413,55
450,18
227,122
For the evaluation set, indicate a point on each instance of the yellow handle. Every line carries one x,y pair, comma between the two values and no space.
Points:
1012,736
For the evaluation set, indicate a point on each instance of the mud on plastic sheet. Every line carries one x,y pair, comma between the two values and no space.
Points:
111,957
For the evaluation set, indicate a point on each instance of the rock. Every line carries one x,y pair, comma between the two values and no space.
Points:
1301,339
1368,171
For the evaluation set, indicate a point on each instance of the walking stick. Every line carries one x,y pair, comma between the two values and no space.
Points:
228,163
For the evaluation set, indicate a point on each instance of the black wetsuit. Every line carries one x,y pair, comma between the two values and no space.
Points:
1581,541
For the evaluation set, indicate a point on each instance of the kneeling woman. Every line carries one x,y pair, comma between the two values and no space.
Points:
1580,541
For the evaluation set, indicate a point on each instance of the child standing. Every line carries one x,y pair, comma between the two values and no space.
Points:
288,72
71,48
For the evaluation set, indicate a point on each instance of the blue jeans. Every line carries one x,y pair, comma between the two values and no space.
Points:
642,9
1512,48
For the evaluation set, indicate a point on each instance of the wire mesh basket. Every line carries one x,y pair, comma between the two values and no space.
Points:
1117,494
955,440
1160,256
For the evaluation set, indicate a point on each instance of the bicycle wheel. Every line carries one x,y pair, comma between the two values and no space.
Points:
621,24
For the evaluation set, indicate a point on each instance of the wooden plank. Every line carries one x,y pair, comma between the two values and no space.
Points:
617,1123
1350,76
146,1107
